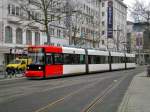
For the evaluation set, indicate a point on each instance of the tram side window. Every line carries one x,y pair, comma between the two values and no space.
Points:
67,59
107,59
133,60
113,59
104,59
130,60
122,59
74,59
58,58
96,59
117,59
49,59
82,59
91,59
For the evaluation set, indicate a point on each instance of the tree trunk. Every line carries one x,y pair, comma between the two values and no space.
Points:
47,29
47,34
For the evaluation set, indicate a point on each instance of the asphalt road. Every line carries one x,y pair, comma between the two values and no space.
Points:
102,92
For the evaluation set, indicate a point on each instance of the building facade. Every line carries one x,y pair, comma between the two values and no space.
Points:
85,19
113,24
138,41
17,31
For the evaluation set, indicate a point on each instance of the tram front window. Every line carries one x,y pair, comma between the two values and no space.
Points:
36,55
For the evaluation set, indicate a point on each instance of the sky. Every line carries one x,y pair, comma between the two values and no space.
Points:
130,3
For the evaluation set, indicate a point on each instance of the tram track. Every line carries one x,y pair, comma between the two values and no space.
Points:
102,96
22,90
59,100
99,100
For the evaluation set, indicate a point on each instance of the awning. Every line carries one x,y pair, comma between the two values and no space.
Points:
4,50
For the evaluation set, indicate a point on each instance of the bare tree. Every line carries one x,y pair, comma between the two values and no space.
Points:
140,11
79,19
43,12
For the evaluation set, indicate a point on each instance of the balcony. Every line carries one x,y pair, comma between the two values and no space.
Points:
13,19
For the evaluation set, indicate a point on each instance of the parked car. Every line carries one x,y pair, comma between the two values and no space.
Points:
18,65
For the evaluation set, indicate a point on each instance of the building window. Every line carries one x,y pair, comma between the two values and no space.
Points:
17,11
103,42
103,4
37,38
13,10
58,33
28,15
103,23
52,17
59,19
9,9
28,37
19,36
103,13
103,32
52,31
8,34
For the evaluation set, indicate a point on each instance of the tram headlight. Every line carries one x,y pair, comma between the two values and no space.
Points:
40,68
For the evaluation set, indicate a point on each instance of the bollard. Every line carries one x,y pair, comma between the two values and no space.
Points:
148,71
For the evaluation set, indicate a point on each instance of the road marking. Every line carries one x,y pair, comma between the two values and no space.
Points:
115,80
49,105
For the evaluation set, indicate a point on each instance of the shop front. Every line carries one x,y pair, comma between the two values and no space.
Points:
15,53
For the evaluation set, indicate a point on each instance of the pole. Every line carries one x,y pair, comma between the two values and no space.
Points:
69,20
117,38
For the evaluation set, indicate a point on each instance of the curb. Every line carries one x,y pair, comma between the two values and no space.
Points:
124,106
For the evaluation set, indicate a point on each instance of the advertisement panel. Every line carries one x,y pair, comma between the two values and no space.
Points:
139,40
110,20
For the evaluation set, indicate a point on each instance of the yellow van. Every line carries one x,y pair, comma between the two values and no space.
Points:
18,65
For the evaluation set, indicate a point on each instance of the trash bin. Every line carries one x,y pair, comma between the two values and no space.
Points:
148,71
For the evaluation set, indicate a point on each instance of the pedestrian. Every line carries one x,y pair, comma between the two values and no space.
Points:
8,72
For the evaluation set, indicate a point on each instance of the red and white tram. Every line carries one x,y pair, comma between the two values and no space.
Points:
52,61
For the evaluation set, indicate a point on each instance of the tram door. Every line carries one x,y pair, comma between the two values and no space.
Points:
54,65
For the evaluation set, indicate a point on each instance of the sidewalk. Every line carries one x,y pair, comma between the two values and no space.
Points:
137,98
3,76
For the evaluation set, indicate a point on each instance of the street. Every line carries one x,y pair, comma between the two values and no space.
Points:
101,92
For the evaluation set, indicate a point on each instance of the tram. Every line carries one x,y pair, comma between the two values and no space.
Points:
52,61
